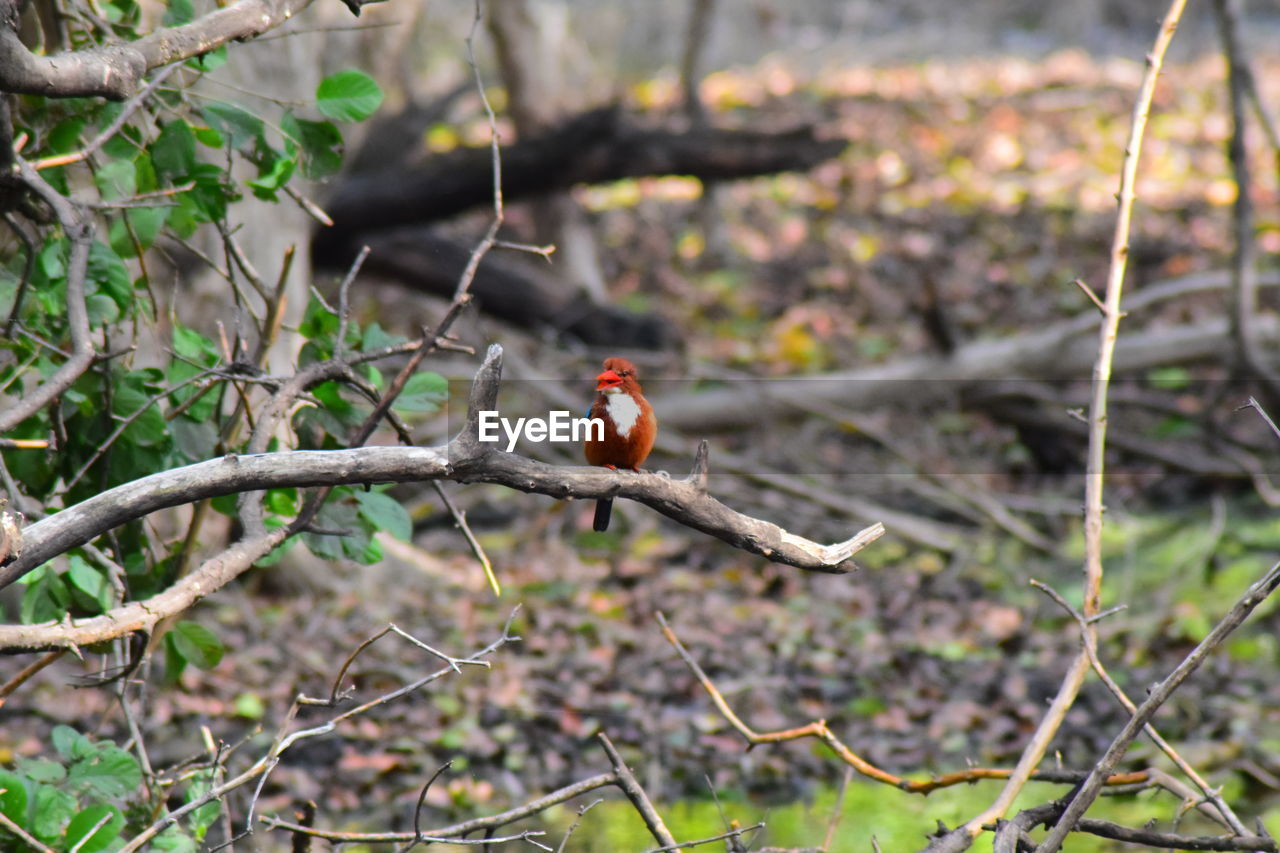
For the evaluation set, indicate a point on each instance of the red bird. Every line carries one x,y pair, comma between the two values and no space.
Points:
629,426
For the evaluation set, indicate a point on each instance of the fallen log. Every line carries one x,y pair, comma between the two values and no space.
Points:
1063,351
593,147
518,293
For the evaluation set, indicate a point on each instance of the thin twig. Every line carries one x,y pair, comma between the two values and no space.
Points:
1095,466
28,266
1089,638
1157,696
8,824
78,228
131,106
7,689
821,731
344,306
837,812
460,521
1093,297
735,833
577,822
521,812
422,798
635,793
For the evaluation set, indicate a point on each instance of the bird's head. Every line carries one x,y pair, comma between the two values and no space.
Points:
619,375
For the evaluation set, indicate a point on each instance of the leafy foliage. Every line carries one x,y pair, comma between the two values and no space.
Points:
76,800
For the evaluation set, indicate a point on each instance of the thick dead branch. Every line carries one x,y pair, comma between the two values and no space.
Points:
1057,352
115,71
593,147
526,295
465,459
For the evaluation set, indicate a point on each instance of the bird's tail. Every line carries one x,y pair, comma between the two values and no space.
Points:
604,507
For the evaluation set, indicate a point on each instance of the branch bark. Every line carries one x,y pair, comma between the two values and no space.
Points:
593,147
78,226
115,71
465,459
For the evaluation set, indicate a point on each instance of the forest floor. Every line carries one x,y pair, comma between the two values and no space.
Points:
970,198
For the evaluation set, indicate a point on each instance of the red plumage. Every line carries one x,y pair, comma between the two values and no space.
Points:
629,426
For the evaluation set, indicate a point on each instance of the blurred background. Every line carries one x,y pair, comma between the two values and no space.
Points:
841,241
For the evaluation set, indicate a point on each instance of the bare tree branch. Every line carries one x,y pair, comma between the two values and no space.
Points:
465,459
78,227
1158,695
115,71
1095,466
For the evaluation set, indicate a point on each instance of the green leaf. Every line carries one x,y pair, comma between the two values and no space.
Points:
144,224
179,12
348,96
317,321
281,501
242,128
1169,378
209,136
44,600
50,263
109,276
13,800
209,197
94,828
197,644
194,434
174,662
102,309
364,550
96,592
65,136
191,344
145,174
42,770
386,513
108,772
250,706
339,514
273,177
375,337
54,808
148,428
330,396
174,152
210,61
116,179
127,142
320,142
204,816
424,392
69,743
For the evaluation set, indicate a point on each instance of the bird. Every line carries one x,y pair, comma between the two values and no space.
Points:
629,427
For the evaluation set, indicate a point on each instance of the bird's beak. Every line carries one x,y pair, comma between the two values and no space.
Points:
608,379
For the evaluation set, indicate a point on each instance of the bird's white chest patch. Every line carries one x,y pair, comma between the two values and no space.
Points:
623,410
